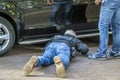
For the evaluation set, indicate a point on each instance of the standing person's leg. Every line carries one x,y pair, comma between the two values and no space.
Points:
53,16
106,15
116,31
115,51
104,22
67,8
62,59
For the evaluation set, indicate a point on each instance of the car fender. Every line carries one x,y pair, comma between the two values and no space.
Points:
15,21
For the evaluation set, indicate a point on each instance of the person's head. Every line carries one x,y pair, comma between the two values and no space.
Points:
70,32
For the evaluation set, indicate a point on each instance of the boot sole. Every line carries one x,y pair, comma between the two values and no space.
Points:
60,70
29,65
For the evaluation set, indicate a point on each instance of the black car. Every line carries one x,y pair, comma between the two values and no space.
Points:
28,21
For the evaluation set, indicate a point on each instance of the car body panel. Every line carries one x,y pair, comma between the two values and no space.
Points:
28,21
34,17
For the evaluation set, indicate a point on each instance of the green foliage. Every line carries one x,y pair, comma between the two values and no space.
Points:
84,1
40,2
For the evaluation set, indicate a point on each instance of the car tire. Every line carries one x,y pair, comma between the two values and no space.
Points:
7,36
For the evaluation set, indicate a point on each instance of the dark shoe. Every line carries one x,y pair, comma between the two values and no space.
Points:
112,54
98,55
59,27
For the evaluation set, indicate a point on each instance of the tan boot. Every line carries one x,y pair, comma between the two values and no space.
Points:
29,65
60,70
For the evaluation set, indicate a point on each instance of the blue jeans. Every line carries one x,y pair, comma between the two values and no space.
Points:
109,14
64,16
55,49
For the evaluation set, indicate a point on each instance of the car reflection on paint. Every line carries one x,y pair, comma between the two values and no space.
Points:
27,22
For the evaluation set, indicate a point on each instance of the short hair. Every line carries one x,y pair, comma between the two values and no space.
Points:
70,32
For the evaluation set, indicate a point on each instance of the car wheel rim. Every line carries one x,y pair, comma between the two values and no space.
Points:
4,37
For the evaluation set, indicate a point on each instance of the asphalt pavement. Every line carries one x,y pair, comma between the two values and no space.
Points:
80,68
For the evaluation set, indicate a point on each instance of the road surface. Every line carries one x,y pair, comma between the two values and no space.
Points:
80,68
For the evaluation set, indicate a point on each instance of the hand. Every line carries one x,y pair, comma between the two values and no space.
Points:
48,2
97,2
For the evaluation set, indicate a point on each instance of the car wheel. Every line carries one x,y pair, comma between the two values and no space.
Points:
7,36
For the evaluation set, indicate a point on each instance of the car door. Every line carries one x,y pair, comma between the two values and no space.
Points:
85,17
37,17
